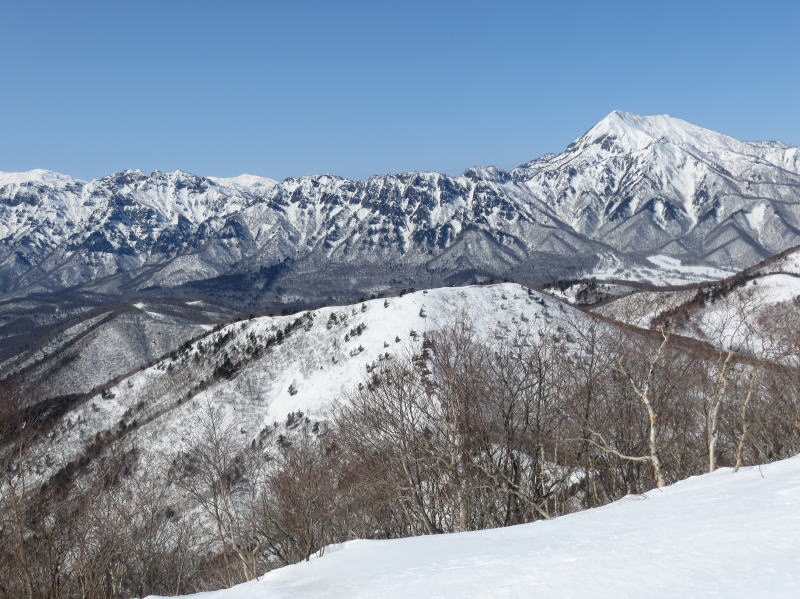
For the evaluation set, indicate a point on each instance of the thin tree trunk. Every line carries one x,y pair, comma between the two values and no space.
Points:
713,419
743,436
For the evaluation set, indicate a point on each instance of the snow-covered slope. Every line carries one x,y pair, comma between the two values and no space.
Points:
101,342
718,535
641,307
656,270
258,372
755,317
748,311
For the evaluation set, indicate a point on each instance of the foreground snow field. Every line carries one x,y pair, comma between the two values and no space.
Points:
723,534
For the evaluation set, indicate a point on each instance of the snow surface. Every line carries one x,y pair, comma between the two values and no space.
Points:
718,535
755,217
776,288
733,321
665,271
246,181
322,361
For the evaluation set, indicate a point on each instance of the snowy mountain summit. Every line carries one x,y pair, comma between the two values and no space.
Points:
657,182
630,187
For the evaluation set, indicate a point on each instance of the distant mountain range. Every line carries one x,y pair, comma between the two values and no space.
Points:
631,187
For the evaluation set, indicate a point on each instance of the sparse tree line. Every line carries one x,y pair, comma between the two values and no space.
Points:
461,435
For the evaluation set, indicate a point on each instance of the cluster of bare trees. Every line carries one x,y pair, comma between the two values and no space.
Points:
102,538
462,435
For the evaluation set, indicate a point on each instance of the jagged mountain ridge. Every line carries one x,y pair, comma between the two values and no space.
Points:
630,187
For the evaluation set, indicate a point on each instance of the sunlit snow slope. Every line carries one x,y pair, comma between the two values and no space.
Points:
324,355
723,535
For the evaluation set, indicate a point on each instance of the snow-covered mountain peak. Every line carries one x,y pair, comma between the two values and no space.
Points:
246,181
647,181
619,125
628,132
35,176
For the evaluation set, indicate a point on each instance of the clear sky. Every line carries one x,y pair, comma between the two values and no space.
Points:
359,88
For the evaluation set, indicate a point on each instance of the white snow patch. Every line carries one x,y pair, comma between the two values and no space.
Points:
755,217
702,272
665,271
246,181
37,175
776,288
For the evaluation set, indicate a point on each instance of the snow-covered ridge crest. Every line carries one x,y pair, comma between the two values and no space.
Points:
34,176
246,181
326,354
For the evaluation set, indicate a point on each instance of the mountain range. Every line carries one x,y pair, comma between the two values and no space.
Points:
630,187
140,263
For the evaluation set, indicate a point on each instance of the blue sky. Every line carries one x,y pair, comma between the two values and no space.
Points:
360,88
